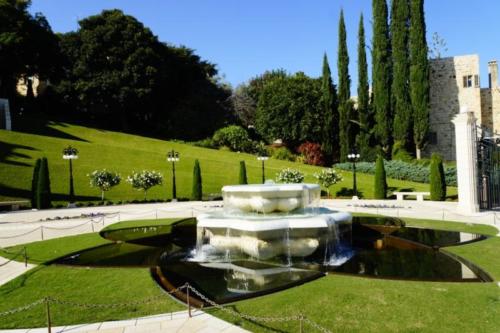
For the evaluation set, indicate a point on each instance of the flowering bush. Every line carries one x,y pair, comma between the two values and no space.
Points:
104,180
289,175
327,178
144,180
312,153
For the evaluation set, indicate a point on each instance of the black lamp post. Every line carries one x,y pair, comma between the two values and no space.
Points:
263,159
353,157
70,153
173,156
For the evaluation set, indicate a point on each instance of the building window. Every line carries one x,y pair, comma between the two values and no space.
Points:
476,81
467,81
433,140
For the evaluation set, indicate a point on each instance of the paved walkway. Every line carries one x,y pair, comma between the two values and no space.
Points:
178,322
11,270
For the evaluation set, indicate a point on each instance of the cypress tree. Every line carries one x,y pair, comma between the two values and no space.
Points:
34,182
329,111
197,185
363,137
243,173
419,75
400,15
43,198
380,189
437,179
345,128
381,76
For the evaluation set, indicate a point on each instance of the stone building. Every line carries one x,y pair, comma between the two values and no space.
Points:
454,85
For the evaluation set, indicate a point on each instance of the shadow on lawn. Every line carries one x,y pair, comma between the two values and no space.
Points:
345,192
8,191
7,151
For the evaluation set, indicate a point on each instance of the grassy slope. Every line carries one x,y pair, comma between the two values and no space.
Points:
342,303
125,153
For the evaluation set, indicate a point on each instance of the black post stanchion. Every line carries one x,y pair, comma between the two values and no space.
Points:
49,322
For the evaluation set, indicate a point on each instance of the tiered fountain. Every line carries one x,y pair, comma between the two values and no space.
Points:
272,222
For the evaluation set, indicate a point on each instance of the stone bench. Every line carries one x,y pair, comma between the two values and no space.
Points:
14,205
420,195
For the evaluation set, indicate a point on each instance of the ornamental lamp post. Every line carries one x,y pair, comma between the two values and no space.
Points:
70,154
263,159
353,157
173,156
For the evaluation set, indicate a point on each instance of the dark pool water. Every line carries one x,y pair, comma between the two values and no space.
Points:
381,248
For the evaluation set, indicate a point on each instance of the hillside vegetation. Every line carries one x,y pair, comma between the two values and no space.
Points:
124,153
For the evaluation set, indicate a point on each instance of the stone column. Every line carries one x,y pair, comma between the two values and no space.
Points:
466,155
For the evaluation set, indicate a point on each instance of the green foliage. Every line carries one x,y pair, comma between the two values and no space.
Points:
43,194
104,180
419,74
327,178
283,153
380,186
234,137
34,182
244,105
329,109
437,179
242,180
205,143
144,180
197,192
346,128
287,110
381,75
289,175
412,171
400,15
400,153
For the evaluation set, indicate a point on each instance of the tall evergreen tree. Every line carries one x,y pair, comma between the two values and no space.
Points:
400,15
197,193
419,75
34,182
437,179
363,137
243,174
43,197
345,127
381,76
329,110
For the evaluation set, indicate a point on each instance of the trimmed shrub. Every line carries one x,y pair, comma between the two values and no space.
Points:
43,197
327,178
380,188
205,143
289,175
243,174
312,153
282,153
234,137
104,180
34,182
437,179
197,193
144,180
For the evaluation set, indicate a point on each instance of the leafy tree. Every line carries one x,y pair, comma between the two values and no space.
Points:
328,105
346,128
43,194
419,75
327,178
312,153
380,189
144,180
289,175
400,15
437,179
197,193
104,180
243,174
244,105
381,75
34,182
364,116
233,136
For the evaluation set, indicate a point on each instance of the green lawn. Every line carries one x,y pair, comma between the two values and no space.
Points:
125,153
341,303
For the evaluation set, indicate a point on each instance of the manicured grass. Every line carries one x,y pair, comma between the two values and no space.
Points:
125,153
340,303
141,223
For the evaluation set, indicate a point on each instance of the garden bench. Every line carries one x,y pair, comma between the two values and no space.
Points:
14,205
420,195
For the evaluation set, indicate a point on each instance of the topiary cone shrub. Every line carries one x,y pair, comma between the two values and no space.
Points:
243,174
437,179
380,190
43,195
197,185
34,182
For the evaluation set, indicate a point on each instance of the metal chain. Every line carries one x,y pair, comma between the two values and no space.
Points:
22,308
23,234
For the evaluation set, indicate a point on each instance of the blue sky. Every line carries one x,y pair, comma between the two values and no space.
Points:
245,38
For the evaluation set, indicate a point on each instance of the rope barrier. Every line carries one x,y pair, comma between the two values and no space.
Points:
20,235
